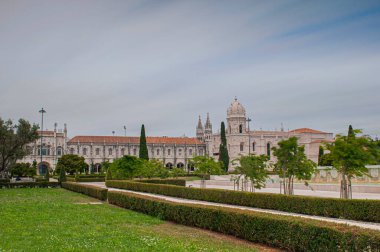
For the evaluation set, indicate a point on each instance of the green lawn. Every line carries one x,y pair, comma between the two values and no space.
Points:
60,220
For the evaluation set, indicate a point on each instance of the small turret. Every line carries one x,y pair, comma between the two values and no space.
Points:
200,131
208,128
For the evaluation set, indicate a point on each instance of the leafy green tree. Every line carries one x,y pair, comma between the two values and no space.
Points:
13,141
292,163
143,152
71,163
104,166
254,168
127,167
349,156
177,172
22,170
205,166
223,151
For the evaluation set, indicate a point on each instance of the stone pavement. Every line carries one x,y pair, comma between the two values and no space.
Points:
369,225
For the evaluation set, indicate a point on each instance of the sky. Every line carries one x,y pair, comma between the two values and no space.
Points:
100,65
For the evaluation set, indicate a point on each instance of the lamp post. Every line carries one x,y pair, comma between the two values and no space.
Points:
113,133
42,111
249,137
125,130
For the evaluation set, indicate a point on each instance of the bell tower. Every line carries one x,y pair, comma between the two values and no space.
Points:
199,131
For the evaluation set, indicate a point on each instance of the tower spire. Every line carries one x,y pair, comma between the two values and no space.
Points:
199,131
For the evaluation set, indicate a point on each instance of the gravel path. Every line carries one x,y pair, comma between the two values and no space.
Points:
369,225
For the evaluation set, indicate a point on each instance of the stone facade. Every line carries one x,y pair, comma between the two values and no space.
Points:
54,145
242,141
174,151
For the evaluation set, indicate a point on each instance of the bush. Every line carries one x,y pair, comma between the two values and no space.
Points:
93,191
94,179
177,182
363,210
43,184
291,233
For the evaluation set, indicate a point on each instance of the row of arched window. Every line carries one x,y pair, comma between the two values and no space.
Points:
122,151
46,150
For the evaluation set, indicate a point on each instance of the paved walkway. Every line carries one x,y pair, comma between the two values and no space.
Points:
227,185
369,225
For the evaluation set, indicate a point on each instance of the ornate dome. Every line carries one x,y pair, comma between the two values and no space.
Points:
236,109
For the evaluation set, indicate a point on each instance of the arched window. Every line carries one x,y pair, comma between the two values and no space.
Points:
190,152
190,167
200,152
169,165
268,149
59,151
84,151
134,152
240,128
253,146
71,151
97,151
179,152
110,151
122,151
169,152
241,146
180,165
158,152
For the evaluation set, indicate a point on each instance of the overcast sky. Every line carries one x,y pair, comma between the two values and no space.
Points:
100,65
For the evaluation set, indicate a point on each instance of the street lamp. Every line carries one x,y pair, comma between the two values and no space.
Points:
125,130
249,137
113,133
42,111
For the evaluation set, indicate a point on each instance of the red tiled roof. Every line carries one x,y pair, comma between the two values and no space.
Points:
134,140
307,130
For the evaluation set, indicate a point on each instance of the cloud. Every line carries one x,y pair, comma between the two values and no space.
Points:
100,65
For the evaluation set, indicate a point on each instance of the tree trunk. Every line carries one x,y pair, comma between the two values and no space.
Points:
344,186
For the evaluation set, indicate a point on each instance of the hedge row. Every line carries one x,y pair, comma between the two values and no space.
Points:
43,184
85,179
177,182
291,233
93,191
363,210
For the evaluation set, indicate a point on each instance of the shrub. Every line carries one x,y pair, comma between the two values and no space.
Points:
93,179
177,182
42,184
291,233
363,210
93,191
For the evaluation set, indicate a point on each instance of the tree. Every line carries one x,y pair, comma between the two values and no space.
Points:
177,172
143,152
126,167
320,154
71,163
350,154
62,175
13,141
22,170
223,151
254,168
205,166
292,163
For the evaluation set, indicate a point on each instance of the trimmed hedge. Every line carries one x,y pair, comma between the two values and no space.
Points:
93,191
85,179
353,209
291,233
42,184
177,182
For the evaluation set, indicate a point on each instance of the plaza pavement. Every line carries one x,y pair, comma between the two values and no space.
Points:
368,225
